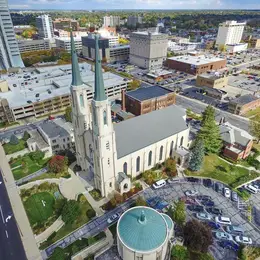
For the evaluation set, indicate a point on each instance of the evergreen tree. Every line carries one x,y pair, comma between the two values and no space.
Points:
14,140
209,131
26,136
197,155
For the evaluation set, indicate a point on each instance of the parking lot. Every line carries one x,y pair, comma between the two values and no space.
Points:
172,192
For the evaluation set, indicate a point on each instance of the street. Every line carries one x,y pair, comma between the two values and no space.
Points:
11,244
198,107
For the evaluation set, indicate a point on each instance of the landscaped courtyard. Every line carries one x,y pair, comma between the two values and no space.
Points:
13,148
217,168
26,165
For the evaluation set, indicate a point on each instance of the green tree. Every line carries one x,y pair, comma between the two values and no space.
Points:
197,238
196,155
140,201
67,115
170,167
255,127
58,206
134,84
70,211
179,253
209,132
58,254
14,140
178,212
26,136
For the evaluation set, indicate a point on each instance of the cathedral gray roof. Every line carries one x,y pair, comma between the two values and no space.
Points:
141,131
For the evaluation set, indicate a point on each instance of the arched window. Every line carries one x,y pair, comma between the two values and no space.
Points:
181,142
105,117
171,148
161,153
81,100
138,164
125,168
150,158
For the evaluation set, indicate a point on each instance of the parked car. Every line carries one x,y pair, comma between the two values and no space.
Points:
173,180
234,196
224,236
208,203
213,225
226,192
191,193
215,211
195,208
251,189
203,197
113,218
223,220
159,184
203,216
235,229
192,179
208,183
219,187
243,240
229,245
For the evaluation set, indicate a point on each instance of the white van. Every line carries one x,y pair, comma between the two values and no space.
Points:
159,184
251,188
223,220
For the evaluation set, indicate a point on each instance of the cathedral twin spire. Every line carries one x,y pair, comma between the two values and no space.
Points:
100,94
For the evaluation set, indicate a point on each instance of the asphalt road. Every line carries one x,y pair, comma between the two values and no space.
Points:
10,240
198,107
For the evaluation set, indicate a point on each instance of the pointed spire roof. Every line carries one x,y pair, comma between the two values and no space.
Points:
100,94
76,78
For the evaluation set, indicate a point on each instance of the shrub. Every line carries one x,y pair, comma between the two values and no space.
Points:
118,198
26,136
36,156
91,213
170,167
138,186
58,164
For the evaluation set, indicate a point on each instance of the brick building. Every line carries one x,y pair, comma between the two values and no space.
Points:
243,104
196,64
211,80
237,143
66,23
145,100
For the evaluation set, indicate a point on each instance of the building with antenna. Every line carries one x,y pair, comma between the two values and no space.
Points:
111,154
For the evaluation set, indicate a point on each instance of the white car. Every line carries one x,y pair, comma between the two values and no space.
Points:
224,236
227,192
203,216
243,240
113,218
159,184
223,220
191,193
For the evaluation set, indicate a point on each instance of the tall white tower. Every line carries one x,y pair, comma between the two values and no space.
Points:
81,118
103,133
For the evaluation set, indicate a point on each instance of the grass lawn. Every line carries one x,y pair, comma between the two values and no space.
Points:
4,125
216,168
253,112
12,148
257,146
50,175
29,168
68,228
35,209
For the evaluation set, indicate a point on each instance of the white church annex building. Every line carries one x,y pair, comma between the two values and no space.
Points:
112,153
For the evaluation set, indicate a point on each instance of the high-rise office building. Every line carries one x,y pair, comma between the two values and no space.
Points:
111,21
134,20
9,52
44,26
148,49
230,32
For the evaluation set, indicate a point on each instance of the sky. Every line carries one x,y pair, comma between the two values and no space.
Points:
133,4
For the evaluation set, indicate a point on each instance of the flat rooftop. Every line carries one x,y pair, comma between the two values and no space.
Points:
142,94
212,75
243,100
49,82
196,60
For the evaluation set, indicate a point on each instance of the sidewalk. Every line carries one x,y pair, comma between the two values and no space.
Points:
28,240
15,155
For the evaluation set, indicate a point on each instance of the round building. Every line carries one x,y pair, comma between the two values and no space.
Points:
143,234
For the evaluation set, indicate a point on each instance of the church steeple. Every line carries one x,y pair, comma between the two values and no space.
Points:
100,94
76,78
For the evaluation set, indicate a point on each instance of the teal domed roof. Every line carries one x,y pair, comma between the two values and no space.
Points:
142,229
168,220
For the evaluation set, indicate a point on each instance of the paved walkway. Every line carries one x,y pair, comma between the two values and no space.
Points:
15,155
45,234
29,243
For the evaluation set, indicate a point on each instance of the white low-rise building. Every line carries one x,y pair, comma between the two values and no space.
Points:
233,48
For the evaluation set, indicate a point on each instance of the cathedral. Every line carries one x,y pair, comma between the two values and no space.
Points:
115,153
